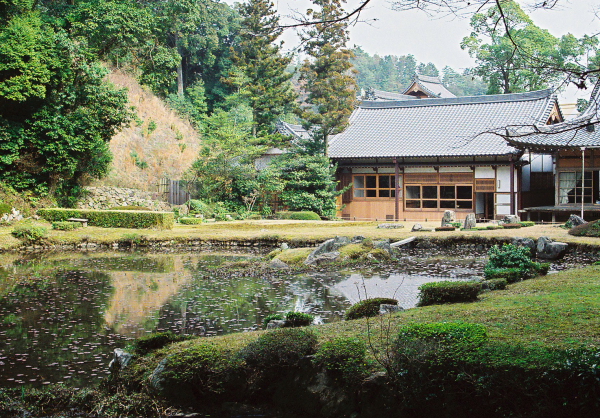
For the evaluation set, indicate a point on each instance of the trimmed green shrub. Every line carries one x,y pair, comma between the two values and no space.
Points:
590,229
65,225
227,216
29,232
130,207
280,348
495,284
202,372
509,255
298,319
148,343
343,356
511,226
438,343
112,218
510,274
5,208
367,308
525,224
190,221
448,292
541,268
445,228
457,224
493,227
300,216
272,317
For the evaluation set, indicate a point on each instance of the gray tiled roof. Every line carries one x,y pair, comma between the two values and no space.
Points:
386,95
297,131
460,126
582,131
433,86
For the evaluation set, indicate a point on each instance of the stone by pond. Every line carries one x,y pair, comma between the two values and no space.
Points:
62,315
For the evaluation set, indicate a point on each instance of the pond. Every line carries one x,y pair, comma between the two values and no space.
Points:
62,315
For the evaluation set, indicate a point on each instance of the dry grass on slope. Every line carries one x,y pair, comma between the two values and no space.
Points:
166,151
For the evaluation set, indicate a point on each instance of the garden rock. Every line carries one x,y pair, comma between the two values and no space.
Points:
390,226
275,323
448,218
277,264
386,308
156,379
550,250
575,220
284,246
526,242
510,219
384,245
325,247
340,242
470,221
324,258
357,239
121,359
416,227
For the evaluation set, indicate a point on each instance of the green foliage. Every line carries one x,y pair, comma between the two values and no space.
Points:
328,77
202,371
590,229
298,319
258,55
525,224
302,215
152,342
537,62
509,255
65,225
345,357
495,283
5,208
190,221
448,292
130,207
280,348
510,274
29,232
306,183
112,218
367,308
272,317
151,127
457,224
138,161
390,73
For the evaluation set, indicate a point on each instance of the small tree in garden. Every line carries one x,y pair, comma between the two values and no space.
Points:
513,263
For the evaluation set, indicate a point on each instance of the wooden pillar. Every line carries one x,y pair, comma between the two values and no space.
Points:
397,199
512,187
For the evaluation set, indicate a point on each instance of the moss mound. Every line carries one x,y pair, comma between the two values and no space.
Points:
590,229
367,308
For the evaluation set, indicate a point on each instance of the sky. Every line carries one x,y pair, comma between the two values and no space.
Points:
437,38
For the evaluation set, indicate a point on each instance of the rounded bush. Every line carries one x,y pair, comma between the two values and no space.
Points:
29,232
5,208
300,216
190,221
279,348
367,308
298,319
526,224
343,355
435,293
495,284
590,229
272,317
445,228
512,226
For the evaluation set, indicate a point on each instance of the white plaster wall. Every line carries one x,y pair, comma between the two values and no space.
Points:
484,173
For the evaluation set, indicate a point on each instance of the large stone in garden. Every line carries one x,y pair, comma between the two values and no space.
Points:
525,242
277,264
275,323
416,227
383,244
575,220
323,258
448,218
390,226
325,247
550,250
386,308
510,219
470,221
121,359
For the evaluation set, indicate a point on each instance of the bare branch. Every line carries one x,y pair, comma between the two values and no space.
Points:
351,16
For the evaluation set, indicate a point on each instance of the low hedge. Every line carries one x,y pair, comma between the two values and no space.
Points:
510,274
129,207
495,284
345,357
511,226
282,347
112,218
65,225
445,228
299,216
448,292
368,308
298,319
191,221
29,232
525,224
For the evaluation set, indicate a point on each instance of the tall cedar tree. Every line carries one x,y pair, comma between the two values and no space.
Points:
258,55
328,78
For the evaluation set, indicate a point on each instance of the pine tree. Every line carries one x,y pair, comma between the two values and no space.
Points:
269,91
328,76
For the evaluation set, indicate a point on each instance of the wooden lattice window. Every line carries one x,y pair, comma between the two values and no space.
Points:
485,185
449,196
373,186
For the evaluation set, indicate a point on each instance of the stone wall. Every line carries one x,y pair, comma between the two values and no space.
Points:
109,197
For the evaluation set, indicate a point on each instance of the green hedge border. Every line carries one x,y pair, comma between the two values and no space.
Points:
112,218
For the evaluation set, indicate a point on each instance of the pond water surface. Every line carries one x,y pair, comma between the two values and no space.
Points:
62,315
